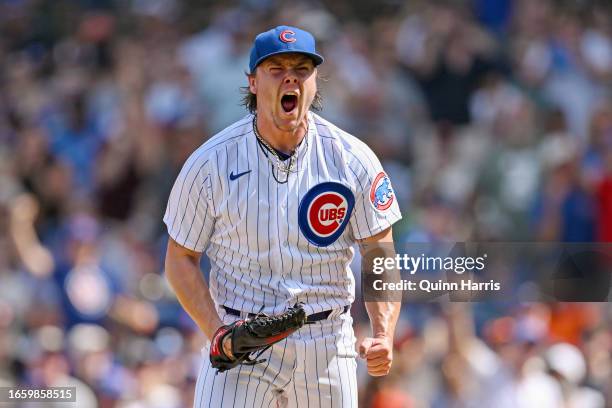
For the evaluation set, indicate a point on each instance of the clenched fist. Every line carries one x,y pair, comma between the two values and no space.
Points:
378,351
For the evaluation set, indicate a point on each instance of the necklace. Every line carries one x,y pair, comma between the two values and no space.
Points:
280,163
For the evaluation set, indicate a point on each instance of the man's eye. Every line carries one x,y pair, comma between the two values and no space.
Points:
275,69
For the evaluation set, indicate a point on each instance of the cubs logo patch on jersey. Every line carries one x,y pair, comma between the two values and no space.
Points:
324,212
381,192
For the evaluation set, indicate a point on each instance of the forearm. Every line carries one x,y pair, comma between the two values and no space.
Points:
186,280
383,314
383,317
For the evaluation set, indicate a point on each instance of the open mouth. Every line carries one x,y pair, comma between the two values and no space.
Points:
289,102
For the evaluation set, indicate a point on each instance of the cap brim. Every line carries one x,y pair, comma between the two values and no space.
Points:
318,60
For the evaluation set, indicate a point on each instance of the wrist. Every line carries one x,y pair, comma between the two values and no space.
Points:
210,328
382,335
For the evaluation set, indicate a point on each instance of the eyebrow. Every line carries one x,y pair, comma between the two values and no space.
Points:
282,61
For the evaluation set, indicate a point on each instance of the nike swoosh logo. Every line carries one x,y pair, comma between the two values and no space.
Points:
235,176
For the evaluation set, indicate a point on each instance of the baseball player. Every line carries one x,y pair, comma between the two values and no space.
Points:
277,200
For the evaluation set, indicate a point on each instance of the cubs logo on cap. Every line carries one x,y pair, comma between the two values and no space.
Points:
381,192
324,212
287,36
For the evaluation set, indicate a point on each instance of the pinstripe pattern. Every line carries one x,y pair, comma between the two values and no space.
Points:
313,368
226,202
273,266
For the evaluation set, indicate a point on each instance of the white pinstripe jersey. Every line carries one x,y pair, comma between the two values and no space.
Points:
271,244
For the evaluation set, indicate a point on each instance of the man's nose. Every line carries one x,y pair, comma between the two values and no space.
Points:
291,78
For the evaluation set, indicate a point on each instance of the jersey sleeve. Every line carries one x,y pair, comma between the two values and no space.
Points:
189,216
376,207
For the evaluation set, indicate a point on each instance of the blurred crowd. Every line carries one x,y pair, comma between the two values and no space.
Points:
493,119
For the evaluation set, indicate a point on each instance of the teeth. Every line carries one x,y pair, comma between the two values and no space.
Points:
291,93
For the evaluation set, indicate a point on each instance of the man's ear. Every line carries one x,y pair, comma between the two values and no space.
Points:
252,84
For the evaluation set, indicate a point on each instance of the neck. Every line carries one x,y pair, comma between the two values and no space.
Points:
285,141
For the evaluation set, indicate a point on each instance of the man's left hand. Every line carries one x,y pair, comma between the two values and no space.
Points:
378,351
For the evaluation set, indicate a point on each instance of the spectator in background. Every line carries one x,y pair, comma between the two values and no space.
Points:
565,209
448,54
597,164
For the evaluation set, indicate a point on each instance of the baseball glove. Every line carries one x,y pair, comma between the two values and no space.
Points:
252,336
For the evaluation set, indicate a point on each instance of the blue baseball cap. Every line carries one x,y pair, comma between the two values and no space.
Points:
282,40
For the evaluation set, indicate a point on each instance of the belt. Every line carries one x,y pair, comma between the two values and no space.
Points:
315,317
